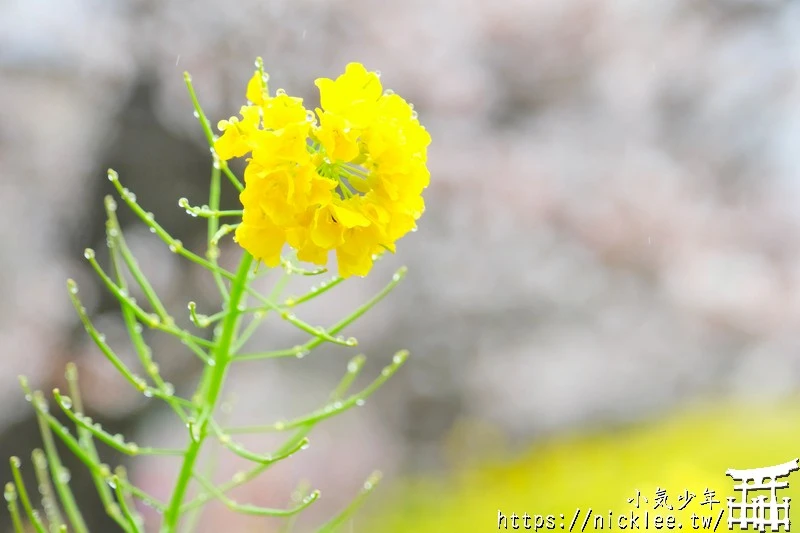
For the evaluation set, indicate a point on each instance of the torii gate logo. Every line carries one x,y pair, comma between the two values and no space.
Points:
760,512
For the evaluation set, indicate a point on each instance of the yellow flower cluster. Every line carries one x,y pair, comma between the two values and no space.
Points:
348,178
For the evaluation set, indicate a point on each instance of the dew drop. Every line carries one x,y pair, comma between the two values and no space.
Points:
149,216
147,393
352,367
239,477
64,475
351,341
399,358
169,389
88,253
42,405
196,114
66,402
360,402
337,405
396,277
152,229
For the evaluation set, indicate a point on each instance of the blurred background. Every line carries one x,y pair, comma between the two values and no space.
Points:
607,274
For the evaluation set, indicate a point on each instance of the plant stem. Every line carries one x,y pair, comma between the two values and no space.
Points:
211,388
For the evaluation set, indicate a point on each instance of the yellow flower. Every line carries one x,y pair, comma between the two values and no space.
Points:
237,134
353,94
263,239
350,183
337,137
298,238
272,191
354,256
257,88
331,220
284,146
282,110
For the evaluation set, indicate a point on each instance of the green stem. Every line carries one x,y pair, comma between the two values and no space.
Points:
212,252
211,388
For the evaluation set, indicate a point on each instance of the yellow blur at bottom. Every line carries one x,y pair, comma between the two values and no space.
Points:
667,474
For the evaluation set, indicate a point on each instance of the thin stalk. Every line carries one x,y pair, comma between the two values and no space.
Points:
32,513
213,227
206,125
211,387
51,510
57,469
13,508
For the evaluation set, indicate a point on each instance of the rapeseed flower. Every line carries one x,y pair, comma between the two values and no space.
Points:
347,178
